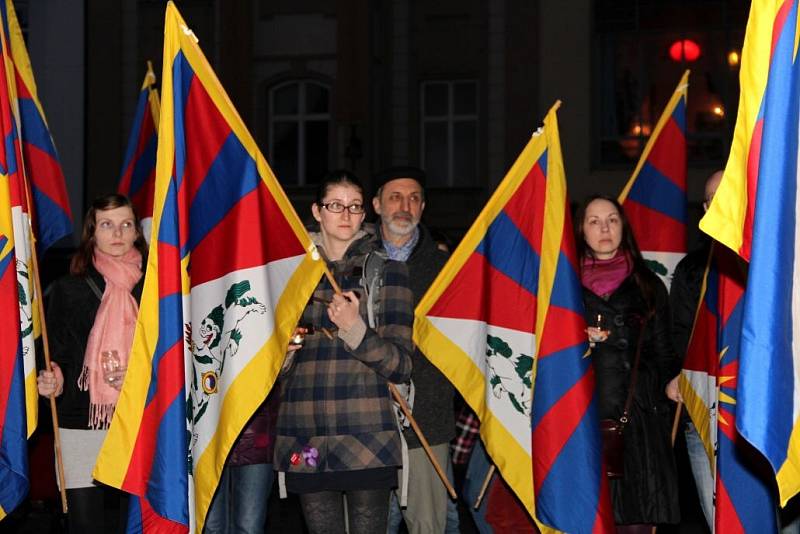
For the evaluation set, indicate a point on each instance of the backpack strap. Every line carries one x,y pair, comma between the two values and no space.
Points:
372,281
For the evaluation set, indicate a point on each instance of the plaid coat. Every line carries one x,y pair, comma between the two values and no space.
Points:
335,401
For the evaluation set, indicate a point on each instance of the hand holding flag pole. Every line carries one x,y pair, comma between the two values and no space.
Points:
407,412
46,350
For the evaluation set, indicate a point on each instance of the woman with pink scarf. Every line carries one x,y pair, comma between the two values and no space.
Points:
627,308
91,316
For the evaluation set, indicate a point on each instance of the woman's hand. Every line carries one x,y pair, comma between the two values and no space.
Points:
299,333
596,335
343,310
672,390
115,378
50,382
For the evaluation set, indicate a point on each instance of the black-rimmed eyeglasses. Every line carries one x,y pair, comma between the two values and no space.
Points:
338,207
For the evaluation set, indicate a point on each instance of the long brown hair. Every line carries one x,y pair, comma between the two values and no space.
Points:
84,255
642,274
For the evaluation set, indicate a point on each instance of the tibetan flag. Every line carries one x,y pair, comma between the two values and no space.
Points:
504,322
745,501
49,206
13,424
138,179
754,212
16,334
654,198
229,271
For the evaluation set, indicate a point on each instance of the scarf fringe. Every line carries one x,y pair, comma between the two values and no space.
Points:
100,416
83,379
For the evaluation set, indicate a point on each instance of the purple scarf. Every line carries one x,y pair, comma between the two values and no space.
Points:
603,277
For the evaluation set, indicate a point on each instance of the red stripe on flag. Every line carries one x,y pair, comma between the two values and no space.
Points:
779,25
155,524
169,280
170,385
526,204
563,328
668,154
268,238
46,175
557,426
726,519
728,427
9,336
479,292
702,349
143,199
206,131
604,519
753,157
663,233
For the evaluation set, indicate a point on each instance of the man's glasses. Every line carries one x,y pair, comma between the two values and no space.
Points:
338,207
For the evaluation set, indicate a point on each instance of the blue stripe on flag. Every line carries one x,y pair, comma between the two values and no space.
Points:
217,193
144,166
168,226
567,291
53,222
507,250
766,387
14,443
542,163
182,75
167,486
170,332
657,192
577,514
11,152
679,115
554,378
34,129
138,122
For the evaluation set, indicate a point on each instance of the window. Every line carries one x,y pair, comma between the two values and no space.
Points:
299,131
637,65
449,123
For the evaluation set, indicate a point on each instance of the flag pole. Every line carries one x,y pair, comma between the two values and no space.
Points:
404,408
47,361
484,486
676,421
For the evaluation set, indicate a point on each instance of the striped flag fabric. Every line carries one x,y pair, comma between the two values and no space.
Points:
138,176
745,501
654,198
229,271
49,205
13,413
754,212
504,322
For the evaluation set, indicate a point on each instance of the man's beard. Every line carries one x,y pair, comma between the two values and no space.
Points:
403,228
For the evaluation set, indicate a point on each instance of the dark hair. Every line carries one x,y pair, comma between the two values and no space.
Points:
337,177
84,255
641,272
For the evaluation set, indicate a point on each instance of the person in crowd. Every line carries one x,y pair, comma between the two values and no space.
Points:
399,202
684,297
240,502
91,316
337,433
627,308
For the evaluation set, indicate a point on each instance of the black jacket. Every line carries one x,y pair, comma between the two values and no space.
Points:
433,400
71,309
684,295
648,493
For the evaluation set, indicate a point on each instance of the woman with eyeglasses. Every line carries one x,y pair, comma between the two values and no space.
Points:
337,434
91,316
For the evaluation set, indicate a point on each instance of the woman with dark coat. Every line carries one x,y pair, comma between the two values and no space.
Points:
626,304
91,316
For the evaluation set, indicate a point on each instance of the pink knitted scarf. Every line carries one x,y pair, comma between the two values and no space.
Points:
112,330
603,277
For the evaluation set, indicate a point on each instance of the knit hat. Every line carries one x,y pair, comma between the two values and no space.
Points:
394,173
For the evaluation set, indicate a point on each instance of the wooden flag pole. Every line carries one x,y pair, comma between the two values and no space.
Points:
676,422
484,486
46,347
404,408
